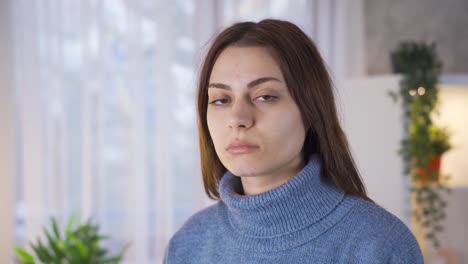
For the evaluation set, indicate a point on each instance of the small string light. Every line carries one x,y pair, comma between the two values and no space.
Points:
421,90
412,92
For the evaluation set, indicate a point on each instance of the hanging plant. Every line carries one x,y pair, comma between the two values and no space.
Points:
424,143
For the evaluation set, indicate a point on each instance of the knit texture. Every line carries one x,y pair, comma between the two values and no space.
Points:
305,220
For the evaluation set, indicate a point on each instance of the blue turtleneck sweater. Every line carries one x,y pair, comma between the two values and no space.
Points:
305,220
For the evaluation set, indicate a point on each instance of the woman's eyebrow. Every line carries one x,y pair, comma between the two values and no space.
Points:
250,85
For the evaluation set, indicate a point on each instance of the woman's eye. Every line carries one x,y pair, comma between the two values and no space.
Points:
267,98
262,98
219,101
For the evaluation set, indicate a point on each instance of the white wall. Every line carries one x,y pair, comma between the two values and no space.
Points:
7,136
373,125
455,234
453,113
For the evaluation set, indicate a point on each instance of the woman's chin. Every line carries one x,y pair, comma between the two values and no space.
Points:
244,168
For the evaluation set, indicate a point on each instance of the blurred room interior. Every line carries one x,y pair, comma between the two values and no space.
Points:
98,117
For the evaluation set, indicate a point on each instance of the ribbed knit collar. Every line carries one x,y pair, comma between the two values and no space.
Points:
303,200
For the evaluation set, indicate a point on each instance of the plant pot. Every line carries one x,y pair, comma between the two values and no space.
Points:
429,174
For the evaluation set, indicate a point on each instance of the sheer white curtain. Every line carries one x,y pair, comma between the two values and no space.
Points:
106,103
107,118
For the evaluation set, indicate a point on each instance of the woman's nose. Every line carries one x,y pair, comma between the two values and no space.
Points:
240,115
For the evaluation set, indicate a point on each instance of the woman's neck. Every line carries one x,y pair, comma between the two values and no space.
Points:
253,185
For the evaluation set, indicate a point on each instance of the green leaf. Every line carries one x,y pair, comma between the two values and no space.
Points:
84,251
42,252
55,228
53,245
393,95
70,224
24,256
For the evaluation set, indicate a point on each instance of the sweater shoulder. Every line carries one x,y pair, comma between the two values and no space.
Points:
374,216
201,224
376,220
387,230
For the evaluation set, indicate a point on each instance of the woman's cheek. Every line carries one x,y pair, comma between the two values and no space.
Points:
215,128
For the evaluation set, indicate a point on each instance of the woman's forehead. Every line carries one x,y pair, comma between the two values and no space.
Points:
245,63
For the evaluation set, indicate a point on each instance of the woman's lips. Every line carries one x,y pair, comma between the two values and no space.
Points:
241,148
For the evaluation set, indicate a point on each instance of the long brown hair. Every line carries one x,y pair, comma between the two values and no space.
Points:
311,88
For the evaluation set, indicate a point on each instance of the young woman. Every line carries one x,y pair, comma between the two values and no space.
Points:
274,155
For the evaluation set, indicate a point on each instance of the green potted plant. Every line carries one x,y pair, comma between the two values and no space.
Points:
411,56
79,243
424,142
439,138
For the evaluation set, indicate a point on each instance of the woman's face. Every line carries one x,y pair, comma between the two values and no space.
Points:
251,110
